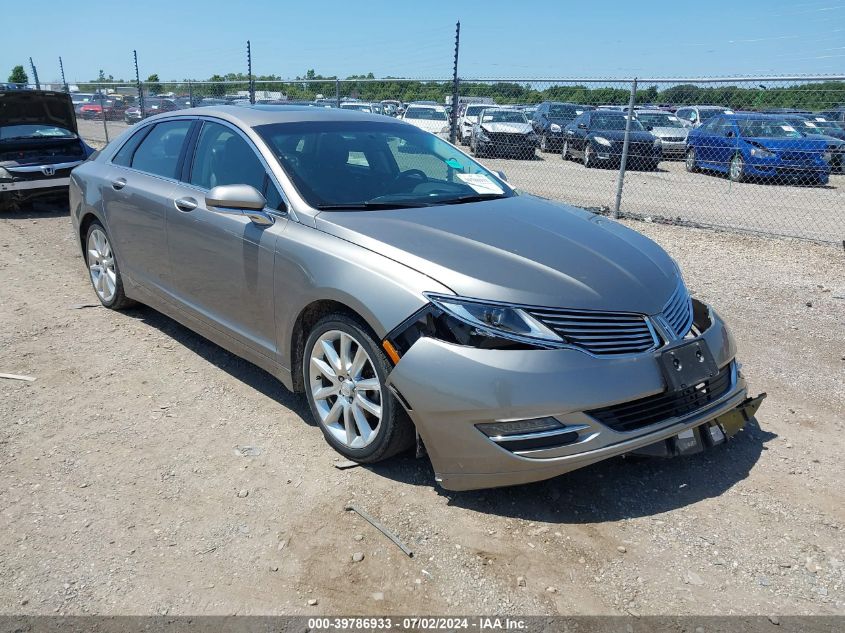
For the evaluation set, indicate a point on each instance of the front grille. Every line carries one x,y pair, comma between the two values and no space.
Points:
599,332
507,138
640,149
678,311
630,416
798,157
674,139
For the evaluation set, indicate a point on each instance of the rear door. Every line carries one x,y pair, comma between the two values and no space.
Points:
136,192
223,264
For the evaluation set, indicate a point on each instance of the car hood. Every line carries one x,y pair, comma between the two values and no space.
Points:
429,125
804,143
30,107
522,250
619,135
507,128
663,132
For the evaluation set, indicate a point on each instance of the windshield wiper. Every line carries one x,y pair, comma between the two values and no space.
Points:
478,197
365,206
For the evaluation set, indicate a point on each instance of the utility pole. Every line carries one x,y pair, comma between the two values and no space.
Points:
62,68
453,123
34,74
249,73
138,83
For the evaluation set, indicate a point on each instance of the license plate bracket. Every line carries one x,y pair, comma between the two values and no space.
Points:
687,364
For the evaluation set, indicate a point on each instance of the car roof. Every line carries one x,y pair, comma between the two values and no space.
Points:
255,115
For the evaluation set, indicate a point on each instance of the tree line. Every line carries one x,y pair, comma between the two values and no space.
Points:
812,96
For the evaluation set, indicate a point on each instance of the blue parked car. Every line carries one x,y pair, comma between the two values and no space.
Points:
748,145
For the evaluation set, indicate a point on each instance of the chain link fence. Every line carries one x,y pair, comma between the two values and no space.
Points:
761,155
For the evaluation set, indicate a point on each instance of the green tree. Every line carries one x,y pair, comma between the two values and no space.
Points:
153,84
18,76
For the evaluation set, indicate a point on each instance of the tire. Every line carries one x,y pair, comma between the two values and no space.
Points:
564,151
690,161
588,156
103,269
736,169
364,424
544,144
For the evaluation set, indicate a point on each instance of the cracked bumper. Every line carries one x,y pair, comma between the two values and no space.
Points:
451,388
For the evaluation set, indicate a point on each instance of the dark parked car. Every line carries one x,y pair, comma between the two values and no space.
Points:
597,137
835,145
152,105
550,118
836,114
503,131
39,144
748,145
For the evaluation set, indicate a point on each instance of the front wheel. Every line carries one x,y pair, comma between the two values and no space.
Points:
690,161
103,269
737,169
344,372
544,144
564,152
589,161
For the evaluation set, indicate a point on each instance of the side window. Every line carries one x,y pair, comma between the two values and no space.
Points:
273,197
223,157
159,152
124,155
712,126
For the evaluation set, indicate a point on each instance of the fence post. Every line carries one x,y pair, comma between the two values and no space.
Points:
623,162
103,112
138,83
191,93
453,115
337,92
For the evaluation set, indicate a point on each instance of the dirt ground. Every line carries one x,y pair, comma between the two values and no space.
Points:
147,471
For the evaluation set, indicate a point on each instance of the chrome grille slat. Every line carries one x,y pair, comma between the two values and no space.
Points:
678,311
600,333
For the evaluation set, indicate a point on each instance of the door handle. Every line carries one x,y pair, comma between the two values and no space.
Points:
118,184
185,204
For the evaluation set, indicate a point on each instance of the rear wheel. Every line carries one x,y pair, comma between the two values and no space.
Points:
690,162
564,152
344,371
737,169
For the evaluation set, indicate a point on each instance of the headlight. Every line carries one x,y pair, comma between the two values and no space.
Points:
658,142
759,152
601,141
554,127
474,324
827,156
483,135
4,174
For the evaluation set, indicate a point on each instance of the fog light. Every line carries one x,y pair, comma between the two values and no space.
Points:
519,427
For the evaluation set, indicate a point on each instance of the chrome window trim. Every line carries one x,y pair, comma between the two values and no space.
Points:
129,168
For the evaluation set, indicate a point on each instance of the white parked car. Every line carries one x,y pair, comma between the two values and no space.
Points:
468,119
431,118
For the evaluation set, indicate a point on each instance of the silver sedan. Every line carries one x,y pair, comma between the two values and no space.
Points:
410,293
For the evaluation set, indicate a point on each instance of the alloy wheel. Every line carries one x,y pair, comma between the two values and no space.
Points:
346,389
737,167
564,153
101,265
690,159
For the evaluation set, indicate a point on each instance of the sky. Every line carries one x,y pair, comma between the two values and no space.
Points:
181,39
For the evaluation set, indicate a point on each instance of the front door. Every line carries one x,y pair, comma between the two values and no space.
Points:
224,263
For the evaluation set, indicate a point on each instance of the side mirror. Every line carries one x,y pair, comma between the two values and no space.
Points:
582,126
649,128
729,133
501,175
239,200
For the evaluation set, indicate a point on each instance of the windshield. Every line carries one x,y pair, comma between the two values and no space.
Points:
567,112
474,110
827,125
429,114
659,119
503,116
365,164
34,131
767,128
706,115
613,122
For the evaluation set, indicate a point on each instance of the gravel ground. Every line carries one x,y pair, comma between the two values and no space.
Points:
148,471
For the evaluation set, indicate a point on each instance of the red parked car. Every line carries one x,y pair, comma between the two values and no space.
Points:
114,109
